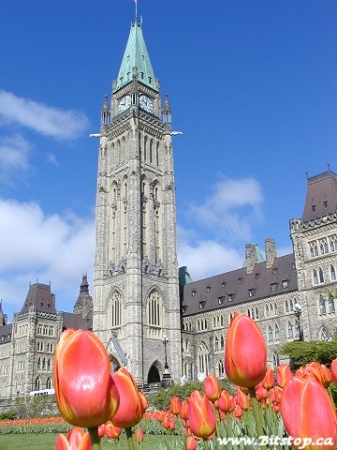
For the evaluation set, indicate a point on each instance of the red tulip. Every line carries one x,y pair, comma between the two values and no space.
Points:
212,388
261,392
307,412
175,405
85,392
76,439
246,353
200,415
139,435
283,374
131,406
242,399
159,415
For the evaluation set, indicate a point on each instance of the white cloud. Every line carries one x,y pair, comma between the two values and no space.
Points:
14,157
232,208
46,120
208,258
49,248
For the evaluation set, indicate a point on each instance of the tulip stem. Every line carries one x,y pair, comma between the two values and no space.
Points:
129,438
93,432
206,446
257,414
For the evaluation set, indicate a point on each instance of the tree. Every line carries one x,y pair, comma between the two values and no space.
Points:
302,353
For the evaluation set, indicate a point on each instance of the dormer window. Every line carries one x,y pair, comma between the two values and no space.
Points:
193,292
208,289
273,287
240,280
230,297
275,270
202,304
285,284
257,275
251,292
220,300
223,284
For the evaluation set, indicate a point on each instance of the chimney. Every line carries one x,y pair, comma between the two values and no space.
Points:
251,257
270,249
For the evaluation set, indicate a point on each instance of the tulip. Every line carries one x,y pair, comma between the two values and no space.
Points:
139,435
224,402
131,406
261,392
76,439
283,374
246,353
168,423
242,399
307,412
184,410
175,405
212,388
334,371
268,381
85,392
191,443
111,431
200,415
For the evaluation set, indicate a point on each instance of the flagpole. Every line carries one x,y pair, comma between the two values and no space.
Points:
136,12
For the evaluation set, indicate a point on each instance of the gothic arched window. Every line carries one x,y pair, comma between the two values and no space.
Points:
116,310
155,309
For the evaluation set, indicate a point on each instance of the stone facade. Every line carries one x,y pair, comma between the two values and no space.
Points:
291,297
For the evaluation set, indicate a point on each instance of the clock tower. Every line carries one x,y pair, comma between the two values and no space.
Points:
136,287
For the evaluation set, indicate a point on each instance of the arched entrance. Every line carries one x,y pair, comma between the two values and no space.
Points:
153,375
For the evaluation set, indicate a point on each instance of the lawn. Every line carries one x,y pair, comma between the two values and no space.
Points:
46,441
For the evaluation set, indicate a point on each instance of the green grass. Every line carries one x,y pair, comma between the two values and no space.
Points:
46,441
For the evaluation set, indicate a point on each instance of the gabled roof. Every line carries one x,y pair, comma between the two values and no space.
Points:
239,287
321,198
136,55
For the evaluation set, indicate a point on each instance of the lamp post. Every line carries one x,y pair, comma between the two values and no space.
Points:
297,314
166,380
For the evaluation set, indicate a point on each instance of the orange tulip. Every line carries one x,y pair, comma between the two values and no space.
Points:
246,353
242,399
307,412
85,392
131,406
139,435
200,415
211,387
184,410
175,405
76,439
168,423
268,380
111,431
334,371
224,402
283,374
191,443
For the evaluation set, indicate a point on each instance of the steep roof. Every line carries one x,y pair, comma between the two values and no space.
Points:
238,287
40,297
321,196
136,55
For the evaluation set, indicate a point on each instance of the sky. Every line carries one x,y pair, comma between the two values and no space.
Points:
252,86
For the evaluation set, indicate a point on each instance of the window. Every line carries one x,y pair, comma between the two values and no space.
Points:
331,304
324,335
270,334
322,308
155,309
333,243
290,330
116,310
332,273
315,277
285,284
251,292
267,311
321,275
277,333
273,287
286,306
230,297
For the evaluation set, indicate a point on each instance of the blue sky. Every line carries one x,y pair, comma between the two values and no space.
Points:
252,86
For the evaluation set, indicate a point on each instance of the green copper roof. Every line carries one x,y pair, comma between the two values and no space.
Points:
136,55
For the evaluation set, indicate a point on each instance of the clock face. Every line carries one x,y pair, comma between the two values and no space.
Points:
145,103
124,103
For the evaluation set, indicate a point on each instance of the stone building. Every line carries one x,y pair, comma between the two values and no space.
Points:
27,345
149,314
136,285
291,297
